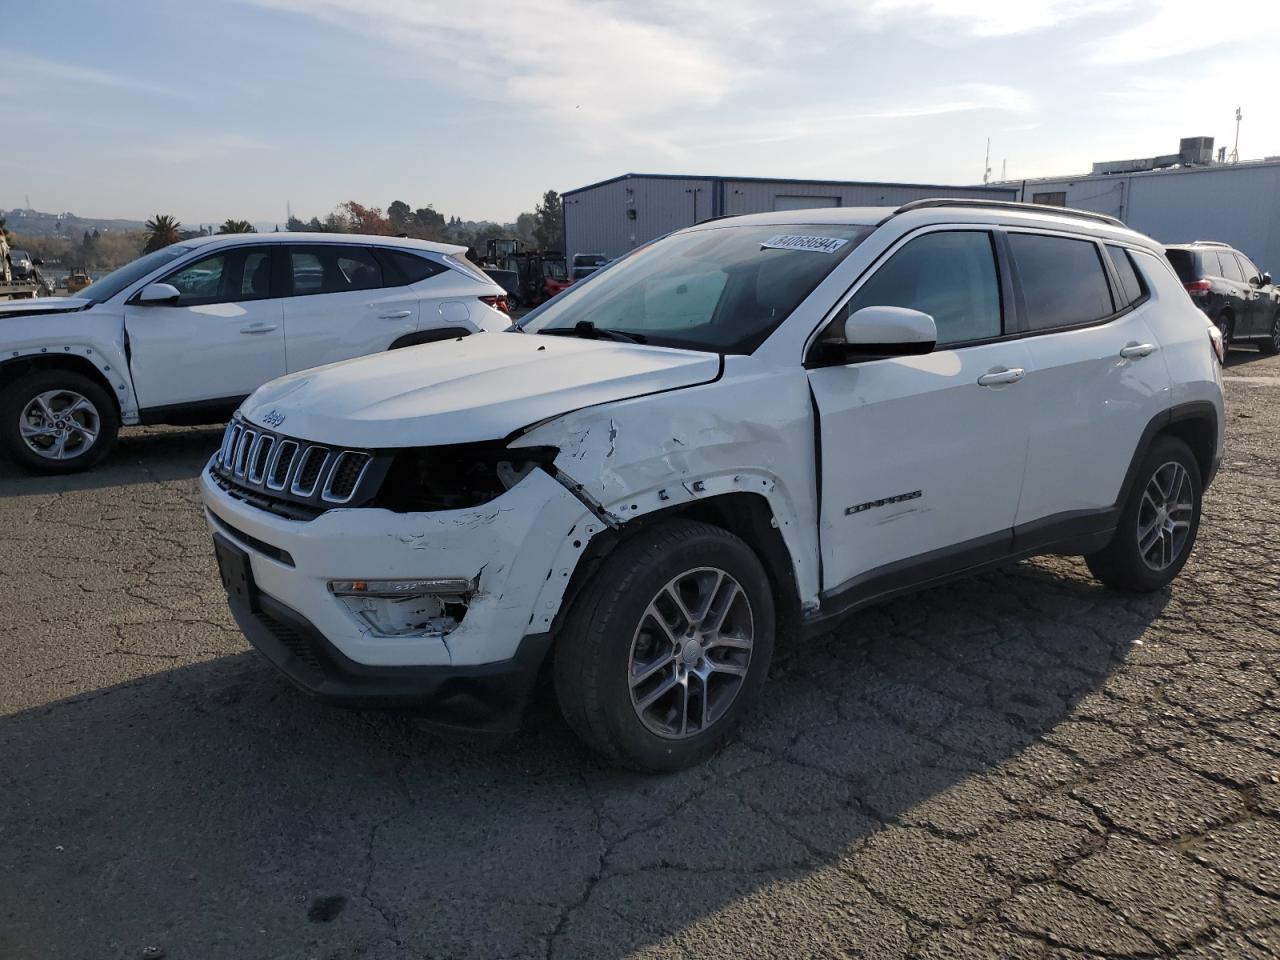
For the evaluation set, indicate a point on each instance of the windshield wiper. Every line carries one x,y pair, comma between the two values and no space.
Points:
589,331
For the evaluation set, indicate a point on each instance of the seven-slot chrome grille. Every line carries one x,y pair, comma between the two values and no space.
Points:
259,464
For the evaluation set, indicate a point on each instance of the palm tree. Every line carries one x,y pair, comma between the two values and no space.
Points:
237,226
162,230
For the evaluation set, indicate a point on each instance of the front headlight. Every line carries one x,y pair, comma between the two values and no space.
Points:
457,476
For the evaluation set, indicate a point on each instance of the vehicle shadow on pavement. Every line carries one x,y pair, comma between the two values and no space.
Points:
1239,358
213,811
142,455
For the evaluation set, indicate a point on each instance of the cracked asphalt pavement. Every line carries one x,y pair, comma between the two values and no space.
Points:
1023,765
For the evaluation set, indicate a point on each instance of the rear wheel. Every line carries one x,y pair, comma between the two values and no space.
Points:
1227,327
1158,524
1271,345
57,421
667,646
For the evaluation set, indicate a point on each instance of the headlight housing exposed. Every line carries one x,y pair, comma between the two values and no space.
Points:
457,476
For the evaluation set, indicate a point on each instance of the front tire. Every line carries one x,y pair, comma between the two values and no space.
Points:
1158,524
57,421
666,647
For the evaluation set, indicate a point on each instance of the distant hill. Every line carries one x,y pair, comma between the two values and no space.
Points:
34,223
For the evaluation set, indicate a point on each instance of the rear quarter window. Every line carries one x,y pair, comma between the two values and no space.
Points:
400,269
1131,286
1063,281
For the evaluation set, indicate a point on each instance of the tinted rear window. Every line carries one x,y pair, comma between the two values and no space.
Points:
404,268
1183,263
1063,280
1130,282
332,269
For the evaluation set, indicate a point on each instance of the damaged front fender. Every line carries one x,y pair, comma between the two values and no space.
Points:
749,432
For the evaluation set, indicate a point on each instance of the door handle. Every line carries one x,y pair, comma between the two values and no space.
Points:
258,328
1136,351
995,378
394,315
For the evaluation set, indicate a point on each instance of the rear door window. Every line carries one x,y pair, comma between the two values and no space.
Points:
1063,281
329,268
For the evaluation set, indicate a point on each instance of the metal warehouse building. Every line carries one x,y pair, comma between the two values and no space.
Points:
614,216
1199,199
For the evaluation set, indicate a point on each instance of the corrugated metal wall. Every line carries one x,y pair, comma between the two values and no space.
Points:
753,196
596,218
596,221
1238,204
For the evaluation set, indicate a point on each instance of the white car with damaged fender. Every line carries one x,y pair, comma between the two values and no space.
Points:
736,434
183,334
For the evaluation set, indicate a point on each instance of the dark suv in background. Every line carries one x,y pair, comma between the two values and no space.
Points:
1231,291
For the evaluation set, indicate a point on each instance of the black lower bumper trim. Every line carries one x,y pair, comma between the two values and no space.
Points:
489,697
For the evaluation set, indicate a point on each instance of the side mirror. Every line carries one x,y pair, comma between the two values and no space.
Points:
1266,280
37,261
156,294
888,332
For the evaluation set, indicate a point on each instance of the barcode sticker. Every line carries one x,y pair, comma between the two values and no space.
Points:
785,241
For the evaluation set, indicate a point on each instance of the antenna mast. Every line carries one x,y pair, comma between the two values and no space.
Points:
986,164
1235,151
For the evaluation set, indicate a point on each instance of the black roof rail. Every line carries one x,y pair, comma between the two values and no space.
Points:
1041,208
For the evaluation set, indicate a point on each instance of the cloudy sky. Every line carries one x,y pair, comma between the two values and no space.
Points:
232,108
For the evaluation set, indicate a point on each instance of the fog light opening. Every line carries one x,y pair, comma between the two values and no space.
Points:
404,608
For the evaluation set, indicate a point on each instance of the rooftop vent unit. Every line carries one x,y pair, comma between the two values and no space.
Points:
1192,152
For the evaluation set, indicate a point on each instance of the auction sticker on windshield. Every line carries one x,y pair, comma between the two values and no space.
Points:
785,241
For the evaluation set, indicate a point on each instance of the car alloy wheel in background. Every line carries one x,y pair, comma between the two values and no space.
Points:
59,424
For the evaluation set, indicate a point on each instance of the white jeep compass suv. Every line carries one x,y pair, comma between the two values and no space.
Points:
735,434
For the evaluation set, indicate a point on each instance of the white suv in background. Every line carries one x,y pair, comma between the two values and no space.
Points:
739,432
184,334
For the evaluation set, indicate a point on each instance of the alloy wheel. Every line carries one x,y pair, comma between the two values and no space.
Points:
1165,515
690,653
59,424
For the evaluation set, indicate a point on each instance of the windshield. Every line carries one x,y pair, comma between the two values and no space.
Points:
115,281
723,289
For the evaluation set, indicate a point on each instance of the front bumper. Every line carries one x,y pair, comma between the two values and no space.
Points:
520,550
489,697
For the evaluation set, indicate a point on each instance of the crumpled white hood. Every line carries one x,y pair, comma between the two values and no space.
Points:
481,387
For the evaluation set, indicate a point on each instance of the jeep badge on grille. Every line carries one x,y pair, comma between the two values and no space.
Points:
273,418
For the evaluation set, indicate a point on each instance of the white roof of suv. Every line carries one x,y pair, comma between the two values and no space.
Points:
957,210
363,239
